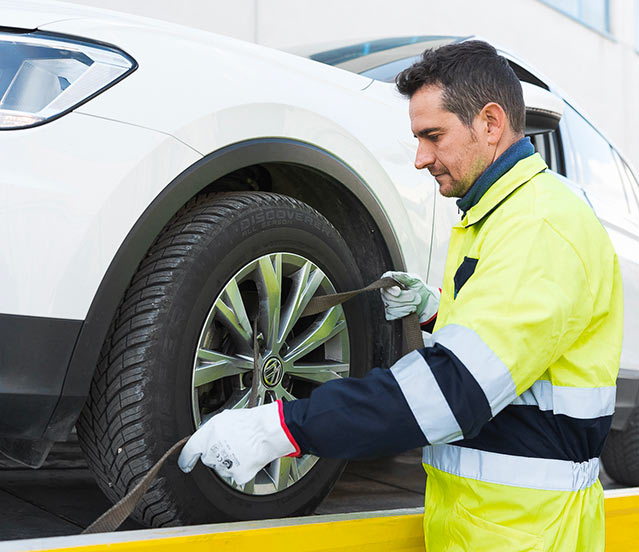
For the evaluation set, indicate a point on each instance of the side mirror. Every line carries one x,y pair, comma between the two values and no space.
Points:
543,109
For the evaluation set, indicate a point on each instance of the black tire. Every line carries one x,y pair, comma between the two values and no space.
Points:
140,398
621,453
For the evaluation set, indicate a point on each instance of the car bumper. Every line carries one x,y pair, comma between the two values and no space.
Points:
34,355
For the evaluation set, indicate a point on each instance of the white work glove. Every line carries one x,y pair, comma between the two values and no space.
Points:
417,297
239,443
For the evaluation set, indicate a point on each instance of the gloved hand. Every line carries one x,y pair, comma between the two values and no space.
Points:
417,297
239,443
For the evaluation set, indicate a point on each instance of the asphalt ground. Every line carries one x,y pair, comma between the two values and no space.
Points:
61,498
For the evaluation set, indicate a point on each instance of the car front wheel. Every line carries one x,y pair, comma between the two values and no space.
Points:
180,350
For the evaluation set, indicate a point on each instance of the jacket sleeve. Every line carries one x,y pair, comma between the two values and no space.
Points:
354,418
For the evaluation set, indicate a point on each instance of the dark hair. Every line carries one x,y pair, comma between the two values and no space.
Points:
471,74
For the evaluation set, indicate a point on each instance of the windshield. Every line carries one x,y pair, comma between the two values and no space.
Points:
379,59
354,51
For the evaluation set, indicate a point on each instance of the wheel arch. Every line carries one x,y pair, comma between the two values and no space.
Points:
281,162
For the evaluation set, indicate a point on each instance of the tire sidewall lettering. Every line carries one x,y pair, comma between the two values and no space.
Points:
262,220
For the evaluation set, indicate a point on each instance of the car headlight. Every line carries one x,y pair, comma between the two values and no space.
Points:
44,76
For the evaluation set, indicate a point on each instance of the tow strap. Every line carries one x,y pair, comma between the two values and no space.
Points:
115,516
410,324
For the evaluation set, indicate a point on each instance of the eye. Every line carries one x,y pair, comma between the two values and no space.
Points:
433,137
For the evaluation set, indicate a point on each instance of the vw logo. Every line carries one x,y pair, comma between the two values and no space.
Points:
272,372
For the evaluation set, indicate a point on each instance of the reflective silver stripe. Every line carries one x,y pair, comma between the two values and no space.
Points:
425,399
515,471
492,375
576,402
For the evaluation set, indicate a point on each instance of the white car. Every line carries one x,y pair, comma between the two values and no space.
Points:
165,190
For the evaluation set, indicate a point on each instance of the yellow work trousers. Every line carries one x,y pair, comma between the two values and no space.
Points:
475,516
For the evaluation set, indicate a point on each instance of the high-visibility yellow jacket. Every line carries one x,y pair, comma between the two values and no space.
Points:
514,395
531,307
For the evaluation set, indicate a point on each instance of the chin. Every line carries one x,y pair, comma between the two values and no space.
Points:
448,191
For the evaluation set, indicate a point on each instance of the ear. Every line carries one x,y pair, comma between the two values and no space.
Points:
494,120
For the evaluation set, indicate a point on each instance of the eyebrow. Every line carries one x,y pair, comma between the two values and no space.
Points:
426,131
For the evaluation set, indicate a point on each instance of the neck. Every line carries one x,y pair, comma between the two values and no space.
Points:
507,140
515,152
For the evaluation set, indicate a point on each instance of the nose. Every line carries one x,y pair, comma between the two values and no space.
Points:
425,156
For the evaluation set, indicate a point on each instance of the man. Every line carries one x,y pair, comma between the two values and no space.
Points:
513,395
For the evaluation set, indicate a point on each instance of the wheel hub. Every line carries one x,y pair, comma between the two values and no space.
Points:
272,371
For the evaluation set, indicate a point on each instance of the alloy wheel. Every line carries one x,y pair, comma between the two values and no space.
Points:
296,354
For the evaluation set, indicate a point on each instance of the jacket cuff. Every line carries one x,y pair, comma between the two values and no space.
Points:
429,321
280,409
429,324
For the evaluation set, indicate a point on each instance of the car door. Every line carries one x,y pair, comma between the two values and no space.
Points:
597,168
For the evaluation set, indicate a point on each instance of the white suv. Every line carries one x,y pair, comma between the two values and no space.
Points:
161,186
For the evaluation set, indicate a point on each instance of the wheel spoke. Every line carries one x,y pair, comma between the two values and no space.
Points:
269,283
230,312
305,462
248,487
279,471
239,399
295,469
319,372
331,324
237,304
283,394
284,472
305,284
213,366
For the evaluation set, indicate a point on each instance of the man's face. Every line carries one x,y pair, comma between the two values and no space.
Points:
452,152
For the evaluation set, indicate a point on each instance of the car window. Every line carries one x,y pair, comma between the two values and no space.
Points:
547,145
629,174
338,56
595,166
633,184
388,71
631,177
629,183
385,57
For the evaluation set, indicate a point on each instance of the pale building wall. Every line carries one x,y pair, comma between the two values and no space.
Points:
600,73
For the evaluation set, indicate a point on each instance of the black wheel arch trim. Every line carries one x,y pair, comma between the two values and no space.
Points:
174,196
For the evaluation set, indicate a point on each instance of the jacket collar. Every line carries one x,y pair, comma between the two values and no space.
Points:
519,150
520,173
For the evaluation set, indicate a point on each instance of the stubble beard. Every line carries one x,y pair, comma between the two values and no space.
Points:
459,188
456,188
